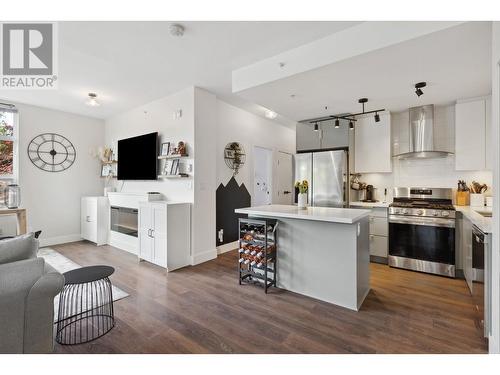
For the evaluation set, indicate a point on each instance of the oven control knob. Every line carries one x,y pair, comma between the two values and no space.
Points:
420,212
445,214
405,211
435,213
397,211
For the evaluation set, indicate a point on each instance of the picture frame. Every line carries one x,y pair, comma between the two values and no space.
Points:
167,167
229,154
165,148
174,170
106,170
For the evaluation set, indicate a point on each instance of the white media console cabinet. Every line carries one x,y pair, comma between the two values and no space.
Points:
155,230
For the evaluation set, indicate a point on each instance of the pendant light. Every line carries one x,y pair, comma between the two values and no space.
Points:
351,125
337,123
316,128
377,117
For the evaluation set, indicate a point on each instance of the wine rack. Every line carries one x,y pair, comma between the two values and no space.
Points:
257,251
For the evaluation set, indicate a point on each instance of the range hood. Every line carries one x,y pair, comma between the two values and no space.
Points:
421,135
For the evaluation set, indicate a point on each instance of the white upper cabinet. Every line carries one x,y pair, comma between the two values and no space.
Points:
471,135
372,145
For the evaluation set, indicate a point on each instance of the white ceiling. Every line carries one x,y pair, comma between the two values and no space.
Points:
132,63
455,63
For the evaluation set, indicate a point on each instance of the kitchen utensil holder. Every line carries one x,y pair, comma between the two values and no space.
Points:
462,198
476,200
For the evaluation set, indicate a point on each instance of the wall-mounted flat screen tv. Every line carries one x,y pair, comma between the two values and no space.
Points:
138,157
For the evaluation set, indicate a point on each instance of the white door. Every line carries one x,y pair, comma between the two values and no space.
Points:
160,236
262,185
285,178
145,233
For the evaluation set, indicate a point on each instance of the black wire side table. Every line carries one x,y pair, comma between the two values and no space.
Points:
85,305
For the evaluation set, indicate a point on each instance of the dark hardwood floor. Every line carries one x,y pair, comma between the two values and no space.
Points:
202,309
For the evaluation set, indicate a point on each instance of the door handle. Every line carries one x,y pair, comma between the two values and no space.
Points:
286,192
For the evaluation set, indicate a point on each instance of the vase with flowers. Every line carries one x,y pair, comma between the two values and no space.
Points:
302,186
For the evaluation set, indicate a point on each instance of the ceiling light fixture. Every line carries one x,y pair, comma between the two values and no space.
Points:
337,123
270,114
418,88
377,117
351,125
316,127
92,100
176,30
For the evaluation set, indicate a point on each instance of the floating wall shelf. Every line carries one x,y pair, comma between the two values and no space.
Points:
173,156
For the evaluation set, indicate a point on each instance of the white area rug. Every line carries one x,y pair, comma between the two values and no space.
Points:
63,264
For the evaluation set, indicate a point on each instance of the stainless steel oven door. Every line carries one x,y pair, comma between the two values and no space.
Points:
422,243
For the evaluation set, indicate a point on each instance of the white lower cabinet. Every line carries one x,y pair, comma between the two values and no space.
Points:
94,219
164,234
379,231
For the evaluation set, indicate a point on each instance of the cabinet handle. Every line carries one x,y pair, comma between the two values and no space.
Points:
371,237
372,219
152,233
149,232
87,219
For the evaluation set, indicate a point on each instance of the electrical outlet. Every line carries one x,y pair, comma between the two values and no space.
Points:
221,235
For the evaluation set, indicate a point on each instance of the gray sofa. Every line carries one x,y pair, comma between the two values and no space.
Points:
27,289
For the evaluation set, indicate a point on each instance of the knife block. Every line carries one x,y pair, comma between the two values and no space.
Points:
462,198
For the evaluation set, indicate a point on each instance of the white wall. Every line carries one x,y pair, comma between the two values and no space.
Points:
52,200
237,125
203,221
495,100
157,116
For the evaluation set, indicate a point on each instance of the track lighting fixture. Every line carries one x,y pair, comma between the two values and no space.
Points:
418,88
351,117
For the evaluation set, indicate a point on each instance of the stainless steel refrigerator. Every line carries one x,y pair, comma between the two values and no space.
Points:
328,176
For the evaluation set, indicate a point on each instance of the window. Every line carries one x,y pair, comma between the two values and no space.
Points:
8,146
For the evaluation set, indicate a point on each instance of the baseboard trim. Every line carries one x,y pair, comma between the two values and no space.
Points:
493,347
51,241
203,257
227,247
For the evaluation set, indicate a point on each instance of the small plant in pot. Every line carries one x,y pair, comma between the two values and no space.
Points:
302,186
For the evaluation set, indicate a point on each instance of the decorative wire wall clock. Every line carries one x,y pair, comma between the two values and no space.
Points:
51,152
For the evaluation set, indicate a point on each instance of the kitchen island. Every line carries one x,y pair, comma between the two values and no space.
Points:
322,252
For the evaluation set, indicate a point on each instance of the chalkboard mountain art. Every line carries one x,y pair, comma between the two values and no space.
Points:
228,198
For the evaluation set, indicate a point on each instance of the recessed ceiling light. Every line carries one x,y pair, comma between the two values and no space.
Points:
176,30
92,100
270,114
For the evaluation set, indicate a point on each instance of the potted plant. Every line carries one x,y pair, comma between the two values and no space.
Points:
303,186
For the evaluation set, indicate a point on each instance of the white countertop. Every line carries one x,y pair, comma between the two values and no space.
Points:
332,215
370,204
483,223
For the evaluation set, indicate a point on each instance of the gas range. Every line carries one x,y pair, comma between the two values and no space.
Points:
423,202
422,230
